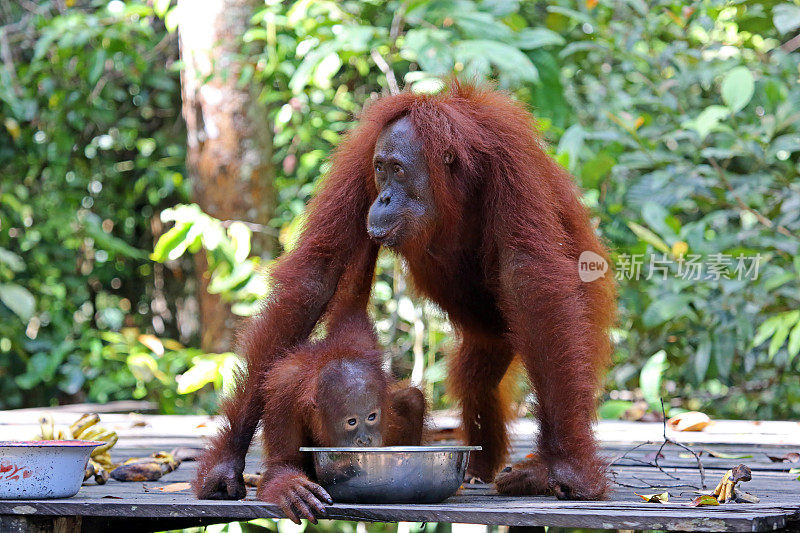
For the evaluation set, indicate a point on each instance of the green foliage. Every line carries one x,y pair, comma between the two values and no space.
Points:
90,152
697,109
234,274
679,121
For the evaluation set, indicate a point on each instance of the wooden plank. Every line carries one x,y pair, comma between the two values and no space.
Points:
123,504
116,406
611,517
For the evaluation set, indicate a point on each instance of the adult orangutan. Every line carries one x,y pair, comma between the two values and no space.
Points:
491,229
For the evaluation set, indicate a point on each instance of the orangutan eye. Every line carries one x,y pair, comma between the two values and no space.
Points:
352,422
378,167
372,416
397,168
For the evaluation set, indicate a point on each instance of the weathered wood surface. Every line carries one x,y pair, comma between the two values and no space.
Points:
119,505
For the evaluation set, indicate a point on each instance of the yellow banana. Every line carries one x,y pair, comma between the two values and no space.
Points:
46,425
84,423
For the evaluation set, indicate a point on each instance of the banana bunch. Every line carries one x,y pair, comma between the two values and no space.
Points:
146,468
85,428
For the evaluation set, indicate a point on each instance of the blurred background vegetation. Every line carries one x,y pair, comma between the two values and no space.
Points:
680,120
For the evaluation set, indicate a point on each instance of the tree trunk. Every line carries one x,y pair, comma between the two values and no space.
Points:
229,157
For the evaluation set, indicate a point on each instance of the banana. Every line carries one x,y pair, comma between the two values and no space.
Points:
92,432
84,423
111,440
90,470
46,425
150,471
101,477
64,434
104,459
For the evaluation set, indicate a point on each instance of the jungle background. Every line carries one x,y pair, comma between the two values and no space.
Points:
156,157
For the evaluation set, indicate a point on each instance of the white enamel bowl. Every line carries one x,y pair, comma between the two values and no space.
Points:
43,469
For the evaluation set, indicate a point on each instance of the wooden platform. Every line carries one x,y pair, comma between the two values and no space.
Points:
122,507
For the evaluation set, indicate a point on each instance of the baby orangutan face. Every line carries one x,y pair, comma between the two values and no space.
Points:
350,398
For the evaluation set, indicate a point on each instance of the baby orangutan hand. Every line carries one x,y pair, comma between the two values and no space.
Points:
296,495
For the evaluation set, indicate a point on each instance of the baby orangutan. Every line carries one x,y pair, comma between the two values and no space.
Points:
332,392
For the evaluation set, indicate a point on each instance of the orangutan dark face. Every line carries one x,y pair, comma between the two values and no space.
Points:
405,201
350,399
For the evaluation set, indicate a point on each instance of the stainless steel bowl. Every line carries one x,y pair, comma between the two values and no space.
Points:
391,474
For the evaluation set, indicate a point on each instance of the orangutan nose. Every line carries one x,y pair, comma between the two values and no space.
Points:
364,441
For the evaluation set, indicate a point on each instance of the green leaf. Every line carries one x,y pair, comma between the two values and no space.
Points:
484,25
530,38
571,13
794,342
221,283
650,379
430,48
506,58
737,88
724,350
571,143
143,366
707,120
44,43
656,217
108,242
160,7
171,244
786,17
723,455
666,308
12,260
766,329
780,336
240,236
776,281
18,299
202,372
649,237
613,409
702,358
97,66
327,69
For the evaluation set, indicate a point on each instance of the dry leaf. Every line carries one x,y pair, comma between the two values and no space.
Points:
705,499
654,498
689,421
174,487
791,457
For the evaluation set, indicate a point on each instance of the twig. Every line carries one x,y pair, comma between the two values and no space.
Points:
666,440
8,60
386,69
792,44
647,484
672,486
761,218
252,226
654,463
397,23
